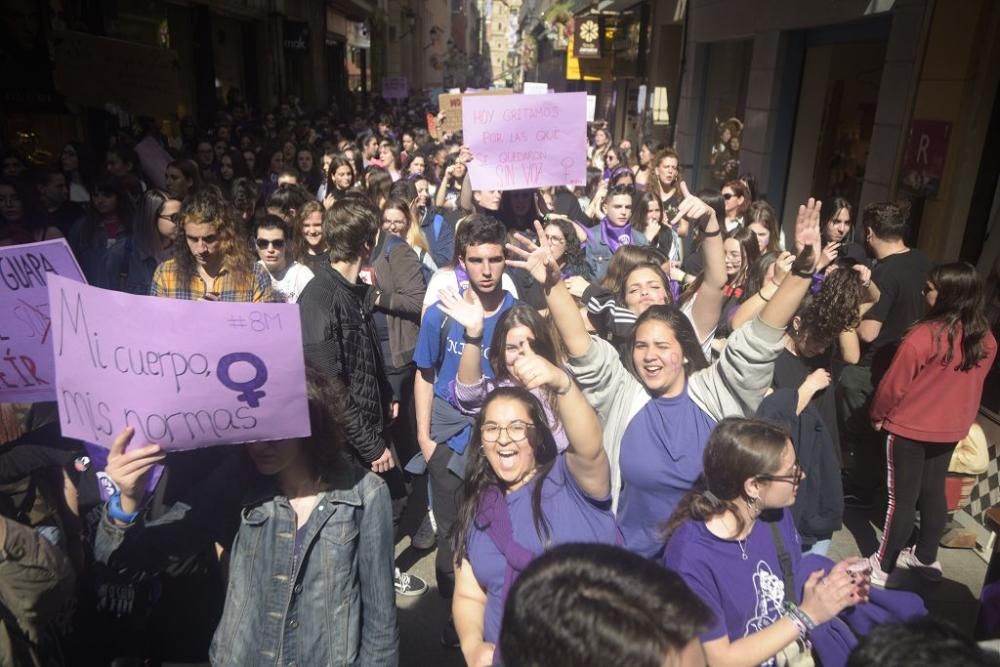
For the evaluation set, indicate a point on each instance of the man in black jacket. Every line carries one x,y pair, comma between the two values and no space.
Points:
339,333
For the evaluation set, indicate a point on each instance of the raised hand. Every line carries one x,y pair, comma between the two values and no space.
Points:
534,371
807,236
693,209
467,310
129,470
536,260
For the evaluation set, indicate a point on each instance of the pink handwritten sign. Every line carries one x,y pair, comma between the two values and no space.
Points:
185,374
526,141
27,372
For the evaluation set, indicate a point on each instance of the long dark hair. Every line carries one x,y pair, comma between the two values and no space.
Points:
124,208
831,208
479,474
145,229
546,344
738,449
323,449
683,330
959,310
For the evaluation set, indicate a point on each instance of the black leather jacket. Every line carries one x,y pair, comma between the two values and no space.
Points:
340,340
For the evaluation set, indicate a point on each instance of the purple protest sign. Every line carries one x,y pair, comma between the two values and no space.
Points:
526,141
27,372
185,374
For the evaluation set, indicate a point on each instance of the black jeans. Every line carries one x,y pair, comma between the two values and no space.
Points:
915,478
445,489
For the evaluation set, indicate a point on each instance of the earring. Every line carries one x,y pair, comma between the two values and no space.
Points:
752,505
685,360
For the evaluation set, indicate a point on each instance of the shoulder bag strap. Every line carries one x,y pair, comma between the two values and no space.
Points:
786,563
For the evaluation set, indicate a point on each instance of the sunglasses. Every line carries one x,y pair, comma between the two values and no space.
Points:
728,195
277,244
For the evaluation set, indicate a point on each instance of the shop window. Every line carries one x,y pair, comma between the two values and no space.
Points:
723,110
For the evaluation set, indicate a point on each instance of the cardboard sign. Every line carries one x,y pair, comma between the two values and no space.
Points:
526,141
533,88
591,108
185,374
395,88
451,105
27,372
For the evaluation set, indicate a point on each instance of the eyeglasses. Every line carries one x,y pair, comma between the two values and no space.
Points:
516,431
555,240
277,244
793,479
173,217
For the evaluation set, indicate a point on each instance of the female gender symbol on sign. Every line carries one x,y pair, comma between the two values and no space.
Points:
248,390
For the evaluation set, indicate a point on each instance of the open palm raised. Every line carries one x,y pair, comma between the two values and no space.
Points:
536,260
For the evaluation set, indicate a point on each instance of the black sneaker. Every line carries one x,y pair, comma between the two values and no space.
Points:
449,636
409,585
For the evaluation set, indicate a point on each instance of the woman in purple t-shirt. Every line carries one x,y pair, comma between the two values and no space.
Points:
727,551
521,496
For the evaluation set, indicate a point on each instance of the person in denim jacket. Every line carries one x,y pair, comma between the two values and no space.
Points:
311,564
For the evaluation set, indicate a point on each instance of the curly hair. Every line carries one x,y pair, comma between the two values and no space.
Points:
833,309
574,256
209,207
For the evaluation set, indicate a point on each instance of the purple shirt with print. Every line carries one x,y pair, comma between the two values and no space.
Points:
572,516
745,596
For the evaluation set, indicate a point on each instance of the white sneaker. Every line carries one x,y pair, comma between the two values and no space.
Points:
409,585
908,561
879,577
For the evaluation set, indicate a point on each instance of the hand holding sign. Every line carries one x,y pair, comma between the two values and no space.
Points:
526,141
129,469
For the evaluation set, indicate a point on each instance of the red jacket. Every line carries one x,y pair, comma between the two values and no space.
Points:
923,399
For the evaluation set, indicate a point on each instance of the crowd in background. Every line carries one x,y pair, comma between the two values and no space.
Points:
679,376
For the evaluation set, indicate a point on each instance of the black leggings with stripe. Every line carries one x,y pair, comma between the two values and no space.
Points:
915,476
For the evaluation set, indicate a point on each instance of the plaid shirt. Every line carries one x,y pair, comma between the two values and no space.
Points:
256,290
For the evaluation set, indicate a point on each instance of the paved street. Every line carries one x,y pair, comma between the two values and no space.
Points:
421,619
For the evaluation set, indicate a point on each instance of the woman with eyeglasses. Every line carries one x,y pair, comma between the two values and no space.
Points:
660,403
273,240
925,404
133,259
521,496
735,544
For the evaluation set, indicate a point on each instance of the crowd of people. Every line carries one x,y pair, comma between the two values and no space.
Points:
628,413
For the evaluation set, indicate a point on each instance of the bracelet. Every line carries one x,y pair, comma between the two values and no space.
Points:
803,631
115,511
807,273
794,610
761,295
775,283
472,340
708,235
569,387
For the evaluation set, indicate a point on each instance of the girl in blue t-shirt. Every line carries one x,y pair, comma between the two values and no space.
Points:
521,496
726,541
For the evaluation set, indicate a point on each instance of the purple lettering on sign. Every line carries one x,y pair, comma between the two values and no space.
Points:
526,141
174,369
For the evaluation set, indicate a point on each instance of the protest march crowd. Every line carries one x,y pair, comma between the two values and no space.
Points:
632,411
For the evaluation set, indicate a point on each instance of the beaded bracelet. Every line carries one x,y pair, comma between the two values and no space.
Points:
799,625
793,610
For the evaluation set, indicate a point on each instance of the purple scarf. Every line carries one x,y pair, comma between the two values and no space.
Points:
615,236
494,517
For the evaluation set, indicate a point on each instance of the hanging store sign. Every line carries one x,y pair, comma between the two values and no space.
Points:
924,157
588,37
